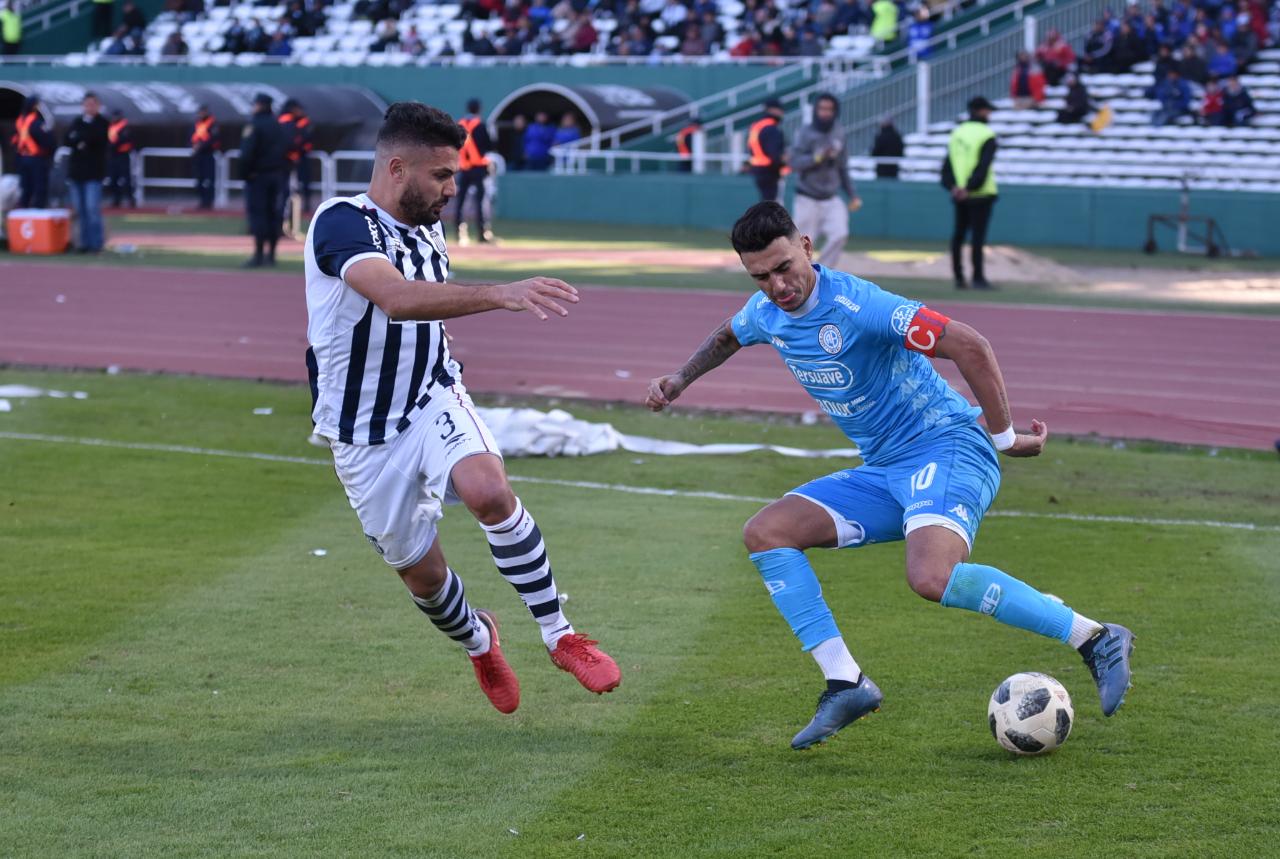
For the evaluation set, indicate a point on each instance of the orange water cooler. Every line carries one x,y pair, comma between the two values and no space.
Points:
39,231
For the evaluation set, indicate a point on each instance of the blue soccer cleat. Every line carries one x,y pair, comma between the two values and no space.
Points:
838,709
1107,655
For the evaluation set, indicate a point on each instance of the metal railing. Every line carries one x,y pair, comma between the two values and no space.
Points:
344,172
39,21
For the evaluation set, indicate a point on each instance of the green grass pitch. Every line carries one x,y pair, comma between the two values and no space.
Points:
180,676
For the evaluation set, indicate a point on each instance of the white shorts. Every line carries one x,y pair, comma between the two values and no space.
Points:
397,489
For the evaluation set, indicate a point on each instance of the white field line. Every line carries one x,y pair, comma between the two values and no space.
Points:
621,487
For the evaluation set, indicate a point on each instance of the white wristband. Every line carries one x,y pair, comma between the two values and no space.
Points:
1004,440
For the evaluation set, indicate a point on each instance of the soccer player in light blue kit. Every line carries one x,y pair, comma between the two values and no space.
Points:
930,473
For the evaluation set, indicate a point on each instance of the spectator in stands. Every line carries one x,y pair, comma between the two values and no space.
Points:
104,13
1097,49
131,16
568,130
10,29
255,38
122,43
1193,65
279,46
87,140
969,176
712,32
510,43
1245,42
1056,57
767,148
888,144
694,45
850,15
884,23
412,43
233,39
1174,96
1127,49
1026,87
1154,35
1223,63
301,21
1160,12
748,45
580,36
537,142
174,46
1237,104
206,139
1211,107
385,35
1078,104
478,46
1164,61
33,146
919,34
822,171
512,143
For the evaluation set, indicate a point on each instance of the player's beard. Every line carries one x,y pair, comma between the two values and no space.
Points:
416,209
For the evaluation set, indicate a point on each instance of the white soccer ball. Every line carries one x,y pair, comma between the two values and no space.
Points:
1030,713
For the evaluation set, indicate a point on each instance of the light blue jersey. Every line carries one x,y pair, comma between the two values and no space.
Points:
846,346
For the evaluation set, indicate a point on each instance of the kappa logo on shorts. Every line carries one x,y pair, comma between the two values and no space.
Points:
830,339
902,316
960,511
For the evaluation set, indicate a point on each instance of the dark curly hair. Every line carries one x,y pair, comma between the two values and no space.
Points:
416,124
760,225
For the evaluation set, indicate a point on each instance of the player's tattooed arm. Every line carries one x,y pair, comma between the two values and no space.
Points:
976,361
713,352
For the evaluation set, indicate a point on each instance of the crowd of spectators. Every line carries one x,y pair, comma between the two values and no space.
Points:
1198,49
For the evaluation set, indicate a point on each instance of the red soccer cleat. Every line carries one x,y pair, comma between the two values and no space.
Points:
496,678
594,669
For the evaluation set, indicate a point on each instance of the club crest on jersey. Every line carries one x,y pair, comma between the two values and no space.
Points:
830,339
902,316
821,375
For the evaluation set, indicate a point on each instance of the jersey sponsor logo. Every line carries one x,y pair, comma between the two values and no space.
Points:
821,375
925,331
928,502
830,339
375,233
841,410
902,316
849,303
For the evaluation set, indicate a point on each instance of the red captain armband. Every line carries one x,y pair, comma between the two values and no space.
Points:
925,331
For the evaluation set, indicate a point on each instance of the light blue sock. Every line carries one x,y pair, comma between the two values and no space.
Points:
797,594
986,590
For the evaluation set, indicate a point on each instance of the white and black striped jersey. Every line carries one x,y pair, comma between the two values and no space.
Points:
370,376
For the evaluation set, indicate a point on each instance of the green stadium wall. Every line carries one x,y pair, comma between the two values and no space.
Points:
1025,214
447,87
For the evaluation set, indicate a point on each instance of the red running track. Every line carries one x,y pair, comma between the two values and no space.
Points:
1198,379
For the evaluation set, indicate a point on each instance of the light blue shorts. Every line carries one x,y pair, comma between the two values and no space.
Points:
950,481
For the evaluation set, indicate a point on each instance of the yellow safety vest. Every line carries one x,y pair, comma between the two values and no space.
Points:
964,149
12,29
884,23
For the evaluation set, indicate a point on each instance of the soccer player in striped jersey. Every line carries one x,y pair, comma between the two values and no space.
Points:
930,471
389,397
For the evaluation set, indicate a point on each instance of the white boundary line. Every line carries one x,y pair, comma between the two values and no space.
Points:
620,487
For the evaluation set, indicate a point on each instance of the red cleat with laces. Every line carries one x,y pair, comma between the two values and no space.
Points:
497,680
594,669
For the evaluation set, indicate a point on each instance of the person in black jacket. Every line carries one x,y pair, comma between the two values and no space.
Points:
87,140
1078,104
888,144
263,164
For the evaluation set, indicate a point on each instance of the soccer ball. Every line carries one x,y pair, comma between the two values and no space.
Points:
1030,713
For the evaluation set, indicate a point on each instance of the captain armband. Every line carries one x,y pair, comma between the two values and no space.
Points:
925,331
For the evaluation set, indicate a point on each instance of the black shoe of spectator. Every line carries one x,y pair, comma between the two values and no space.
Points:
252,262
960,284
982,284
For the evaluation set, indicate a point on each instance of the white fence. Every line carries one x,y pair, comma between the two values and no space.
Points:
344,172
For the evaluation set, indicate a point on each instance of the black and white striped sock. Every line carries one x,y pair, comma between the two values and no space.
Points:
521,557
450,612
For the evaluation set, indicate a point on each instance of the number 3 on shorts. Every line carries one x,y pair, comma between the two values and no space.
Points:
923,478
447,420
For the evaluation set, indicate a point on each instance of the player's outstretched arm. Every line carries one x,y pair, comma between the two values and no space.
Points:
976,361
713,352
383,284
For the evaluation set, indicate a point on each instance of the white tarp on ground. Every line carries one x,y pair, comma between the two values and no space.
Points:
529,432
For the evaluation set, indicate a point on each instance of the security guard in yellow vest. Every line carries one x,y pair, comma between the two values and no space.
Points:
10,29
968,175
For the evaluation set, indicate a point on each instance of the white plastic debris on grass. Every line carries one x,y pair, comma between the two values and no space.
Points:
20,392
5,406
529,432
319,553
264,410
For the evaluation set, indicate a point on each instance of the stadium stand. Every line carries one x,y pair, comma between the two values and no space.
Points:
1130,152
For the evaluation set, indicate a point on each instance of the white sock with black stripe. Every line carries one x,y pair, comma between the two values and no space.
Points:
450,612
521,557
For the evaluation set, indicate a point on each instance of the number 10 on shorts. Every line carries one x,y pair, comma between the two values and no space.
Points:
923,478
